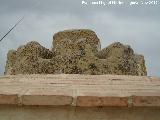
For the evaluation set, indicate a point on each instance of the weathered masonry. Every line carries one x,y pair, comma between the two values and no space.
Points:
79,97
76,51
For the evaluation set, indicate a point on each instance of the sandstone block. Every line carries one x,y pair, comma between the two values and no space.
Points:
139,101
8,99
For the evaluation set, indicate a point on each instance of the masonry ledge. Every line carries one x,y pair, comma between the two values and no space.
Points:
80,90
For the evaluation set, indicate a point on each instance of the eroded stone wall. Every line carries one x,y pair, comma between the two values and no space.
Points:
75,52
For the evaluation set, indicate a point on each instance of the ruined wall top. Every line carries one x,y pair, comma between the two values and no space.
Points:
76,51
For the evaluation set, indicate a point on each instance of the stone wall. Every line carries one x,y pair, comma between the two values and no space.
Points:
79,97
77,113
75,52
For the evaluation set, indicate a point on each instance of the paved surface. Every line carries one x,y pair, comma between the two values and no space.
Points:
80,90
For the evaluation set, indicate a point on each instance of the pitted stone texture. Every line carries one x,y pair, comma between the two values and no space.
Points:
64,39
141,68
34,49
76,60
121,59
115,50
11,59
75,52
31,58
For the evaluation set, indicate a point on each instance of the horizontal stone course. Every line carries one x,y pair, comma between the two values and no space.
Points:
80,90
92,101
8,99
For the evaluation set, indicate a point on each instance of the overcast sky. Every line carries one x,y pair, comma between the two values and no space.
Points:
138,26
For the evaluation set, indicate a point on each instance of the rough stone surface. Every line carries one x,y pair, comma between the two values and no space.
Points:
31,58
75,52
70,38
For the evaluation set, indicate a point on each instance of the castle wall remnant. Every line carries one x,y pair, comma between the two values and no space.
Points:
76,51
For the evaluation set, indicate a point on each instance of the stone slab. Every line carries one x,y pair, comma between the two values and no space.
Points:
80,90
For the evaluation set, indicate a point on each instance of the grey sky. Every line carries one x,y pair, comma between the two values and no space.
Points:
137,26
